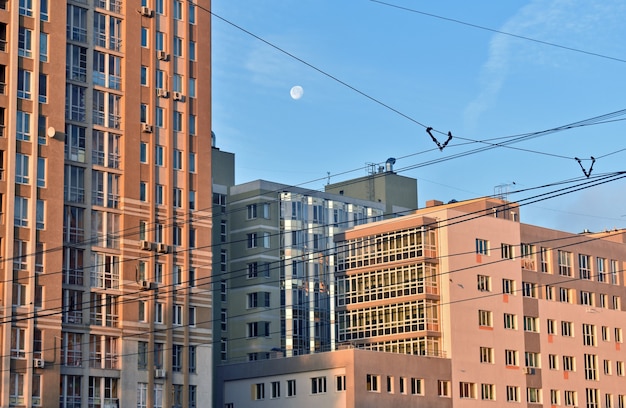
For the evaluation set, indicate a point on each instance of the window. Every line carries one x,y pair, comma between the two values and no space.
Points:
372,383
584,267
443,388
565,263
318,385
533,395
266,240
614,272
605,333
275,389
618,335
593,398
485,318
340,381
192,50
487,392
252,240
417,386
16,389
570,398
586,298
26,8
607,367
192,359
589,335
24,43
24,84
403,386
158,156
529,289
19,294
43,47
510,358
177,358
506,251
601,269
532,359
160,41
144,37
18,338
512,393
20,216
178,46
619,368
192,87
551,326
291,388
41,172
177,161
390,384
567,329
21,168
158,312
510,321
565,295
143,191
508,286
23,126
177,316
531,324
178,121
568,363
553,362
40,215
554,397
486,355
43,88
192,13
484,283
482,246
467,390
258,391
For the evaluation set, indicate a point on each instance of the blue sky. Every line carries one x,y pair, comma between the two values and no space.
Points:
374,75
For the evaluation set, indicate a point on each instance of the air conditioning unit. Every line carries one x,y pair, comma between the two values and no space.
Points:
39,363
529,370
161,248
162,55
162,93
145,245
160,373
177,96
144,284
146,128
146,11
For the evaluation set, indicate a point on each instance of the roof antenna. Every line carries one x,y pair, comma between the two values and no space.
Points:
328,175
439,145
587,173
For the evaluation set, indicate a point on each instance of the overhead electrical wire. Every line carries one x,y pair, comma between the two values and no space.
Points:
521,37
565,279
445,223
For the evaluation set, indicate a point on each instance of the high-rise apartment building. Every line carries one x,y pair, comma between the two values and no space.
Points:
105,238
277,277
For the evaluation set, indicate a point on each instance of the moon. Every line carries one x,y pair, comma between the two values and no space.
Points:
296,92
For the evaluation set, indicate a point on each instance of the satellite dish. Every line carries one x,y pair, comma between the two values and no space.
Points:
51,132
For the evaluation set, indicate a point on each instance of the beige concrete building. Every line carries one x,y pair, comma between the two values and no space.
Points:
105,115
525,314
342,378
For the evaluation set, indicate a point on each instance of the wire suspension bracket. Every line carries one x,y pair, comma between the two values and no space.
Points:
587,173
439,145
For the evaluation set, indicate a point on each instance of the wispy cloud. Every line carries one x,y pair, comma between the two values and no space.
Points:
565,22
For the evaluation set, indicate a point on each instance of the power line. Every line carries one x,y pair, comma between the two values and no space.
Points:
522,37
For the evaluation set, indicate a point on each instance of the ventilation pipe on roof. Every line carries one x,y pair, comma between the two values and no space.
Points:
389,164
